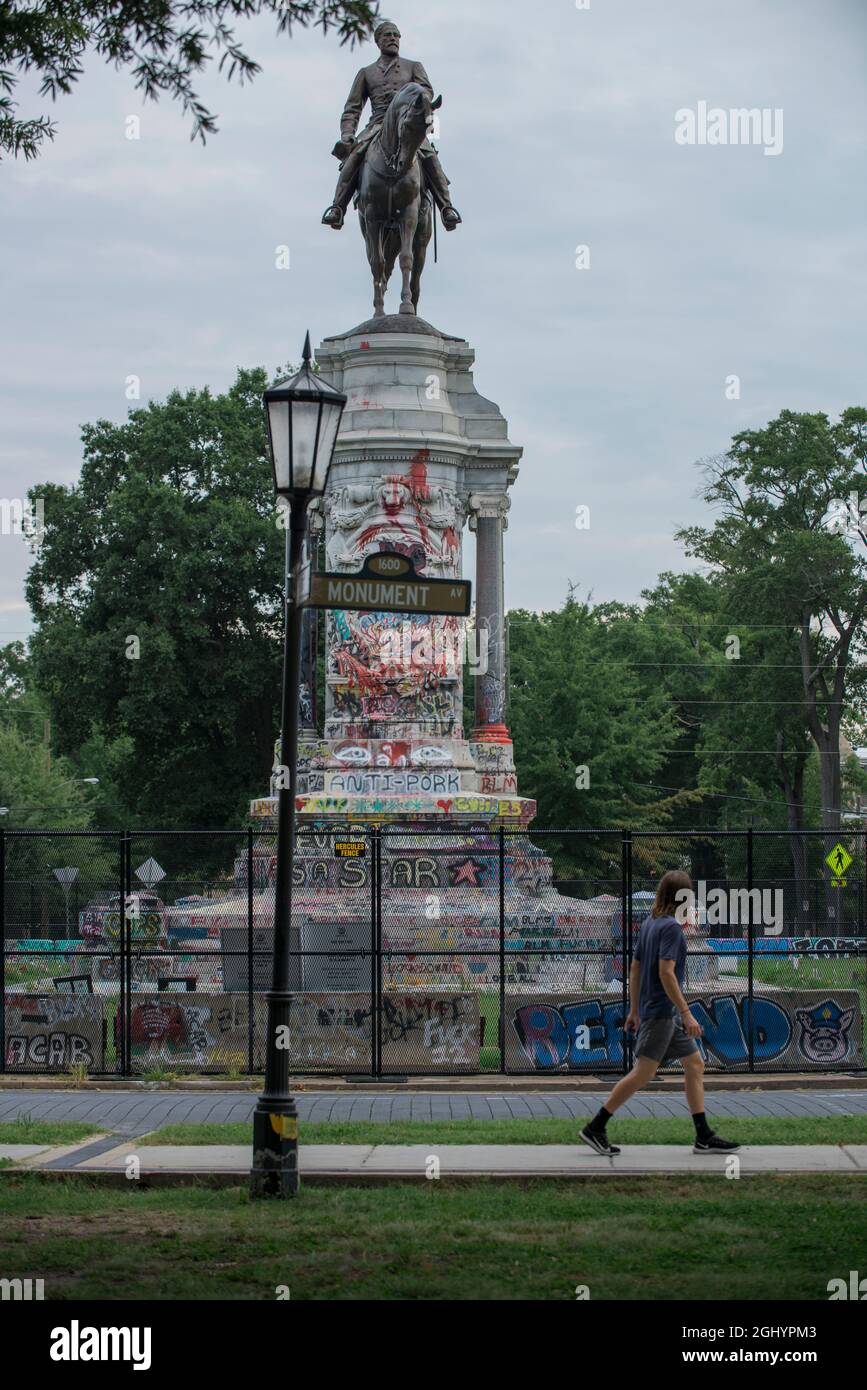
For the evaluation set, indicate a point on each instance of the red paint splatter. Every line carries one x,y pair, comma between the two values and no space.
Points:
418,475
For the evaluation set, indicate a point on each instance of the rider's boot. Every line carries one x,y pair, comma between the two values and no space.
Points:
439,187
335,215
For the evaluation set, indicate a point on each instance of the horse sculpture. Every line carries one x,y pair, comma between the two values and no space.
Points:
394,209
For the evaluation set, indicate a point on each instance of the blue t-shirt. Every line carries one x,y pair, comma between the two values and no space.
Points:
660,938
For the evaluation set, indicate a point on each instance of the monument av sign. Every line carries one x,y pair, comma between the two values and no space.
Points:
388,583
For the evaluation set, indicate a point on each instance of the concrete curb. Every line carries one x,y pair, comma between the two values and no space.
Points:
177,1178
486,1084
101,1178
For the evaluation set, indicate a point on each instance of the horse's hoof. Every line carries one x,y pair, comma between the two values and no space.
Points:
407,309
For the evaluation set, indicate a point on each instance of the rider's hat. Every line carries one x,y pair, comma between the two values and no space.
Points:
385,24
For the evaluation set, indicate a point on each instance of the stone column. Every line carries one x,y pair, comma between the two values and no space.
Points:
488,518
310,634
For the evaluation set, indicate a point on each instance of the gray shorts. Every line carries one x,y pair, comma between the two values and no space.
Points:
664,1040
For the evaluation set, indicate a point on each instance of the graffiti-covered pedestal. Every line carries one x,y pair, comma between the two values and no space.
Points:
421,455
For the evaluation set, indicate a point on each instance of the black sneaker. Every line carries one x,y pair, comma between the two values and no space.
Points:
713,1144
598,1140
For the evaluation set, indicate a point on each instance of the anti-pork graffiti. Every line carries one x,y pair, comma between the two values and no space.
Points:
792,1029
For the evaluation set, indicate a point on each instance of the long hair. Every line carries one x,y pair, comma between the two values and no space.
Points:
672,883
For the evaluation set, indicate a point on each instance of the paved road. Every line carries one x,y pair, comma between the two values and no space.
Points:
136,1112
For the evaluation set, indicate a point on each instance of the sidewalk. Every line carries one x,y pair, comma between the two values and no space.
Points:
361,1163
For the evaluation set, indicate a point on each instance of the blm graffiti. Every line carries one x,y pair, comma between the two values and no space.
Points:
54,1032
792,1030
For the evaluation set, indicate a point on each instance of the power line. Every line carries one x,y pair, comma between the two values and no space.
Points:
728,796
725,666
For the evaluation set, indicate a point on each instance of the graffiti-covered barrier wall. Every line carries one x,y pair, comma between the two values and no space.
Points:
54,1032
793,1030
421,1033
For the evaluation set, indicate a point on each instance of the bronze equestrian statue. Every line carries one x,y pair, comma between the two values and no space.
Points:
393,168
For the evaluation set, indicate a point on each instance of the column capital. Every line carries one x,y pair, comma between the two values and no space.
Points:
489,506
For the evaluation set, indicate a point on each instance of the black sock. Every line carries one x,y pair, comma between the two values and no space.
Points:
702,1128
598,1123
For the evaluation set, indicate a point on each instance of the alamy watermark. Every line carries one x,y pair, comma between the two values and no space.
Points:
424,645
18,517
854,1289
740,907
847,516
22,1290
712,125
77,1343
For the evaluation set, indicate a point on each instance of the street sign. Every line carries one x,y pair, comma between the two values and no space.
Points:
388,583
838,860
150,873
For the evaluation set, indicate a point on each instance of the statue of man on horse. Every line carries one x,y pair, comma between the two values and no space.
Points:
379,84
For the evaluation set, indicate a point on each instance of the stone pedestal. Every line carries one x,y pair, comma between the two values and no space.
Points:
420,453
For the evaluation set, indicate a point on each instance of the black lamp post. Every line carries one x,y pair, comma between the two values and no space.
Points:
303,417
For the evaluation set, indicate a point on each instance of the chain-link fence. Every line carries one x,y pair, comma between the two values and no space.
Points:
455,951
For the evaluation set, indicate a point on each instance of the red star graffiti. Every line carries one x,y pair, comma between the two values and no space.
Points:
468,872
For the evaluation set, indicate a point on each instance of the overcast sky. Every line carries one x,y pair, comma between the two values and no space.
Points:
156,257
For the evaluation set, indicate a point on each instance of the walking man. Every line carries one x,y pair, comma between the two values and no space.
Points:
660,1016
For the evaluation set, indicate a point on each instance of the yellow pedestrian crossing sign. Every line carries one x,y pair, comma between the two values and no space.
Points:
838,861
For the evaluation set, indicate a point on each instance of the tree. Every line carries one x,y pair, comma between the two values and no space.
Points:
157,594
665,644
776,487
587,739
164,43
37,790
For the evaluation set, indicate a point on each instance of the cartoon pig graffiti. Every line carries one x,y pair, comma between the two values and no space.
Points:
824,1033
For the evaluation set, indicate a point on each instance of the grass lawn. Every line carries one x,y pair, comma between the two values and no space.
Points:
839,1130
698,1237
24,1130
